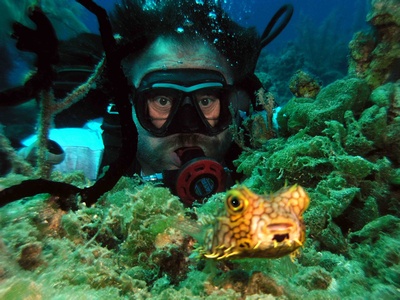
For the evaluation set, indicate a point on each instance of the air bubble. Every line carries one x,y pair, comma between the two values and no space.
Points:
212,15
187,23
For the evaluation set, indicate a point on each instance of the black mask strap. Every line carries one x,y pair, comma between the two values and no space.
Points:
270,33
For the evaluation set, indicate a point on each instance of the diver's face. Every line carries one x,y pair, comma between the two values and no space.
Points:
156,154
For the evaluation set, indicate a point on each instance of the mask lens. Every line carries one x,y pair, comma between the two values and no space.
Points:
209,104
159,105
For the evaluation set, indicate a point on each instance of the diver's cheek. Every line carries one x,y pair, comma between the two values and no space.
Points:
157,154
217,146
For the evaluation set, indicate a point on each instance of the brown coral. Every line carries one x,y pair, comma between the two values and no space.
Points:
376,56
303,85
30,256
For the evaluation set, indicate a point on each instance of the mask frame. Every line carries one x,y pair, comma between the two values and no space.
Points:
185,116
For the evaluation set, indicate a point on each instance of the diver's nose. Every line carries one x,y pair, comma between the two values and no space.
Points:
189,119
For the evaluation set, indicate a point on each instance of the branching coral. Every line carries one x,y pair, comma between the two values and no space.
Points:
50,107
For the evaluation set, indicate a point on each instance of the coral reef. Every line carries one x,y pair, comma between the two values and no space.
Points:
375,55
274,71
319,49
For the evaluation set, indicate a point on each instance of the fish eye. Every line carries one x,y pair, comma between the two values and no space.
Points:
235,203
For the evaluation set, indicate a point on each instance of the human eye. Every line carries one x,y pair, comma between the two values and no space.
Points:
162,101
207,101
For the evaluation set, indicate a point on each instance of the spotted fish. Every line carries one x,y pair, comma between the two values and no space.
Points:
258,226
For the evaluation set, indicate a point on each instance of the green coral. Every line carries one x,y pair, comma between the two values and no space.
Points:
339,147
331,104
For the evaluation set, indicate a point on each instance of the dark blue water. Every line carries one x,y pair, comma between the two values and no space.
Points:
345,16
311,18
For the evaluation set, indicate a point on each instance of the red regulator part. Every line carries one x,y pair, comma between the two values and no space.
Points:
199,179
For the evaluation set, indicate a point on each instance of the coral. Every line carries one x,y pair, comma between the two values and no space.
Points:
331,104
303,85
10,162
375,56
315,278
379,234
255,284
50,107
257,128
342,146
386,117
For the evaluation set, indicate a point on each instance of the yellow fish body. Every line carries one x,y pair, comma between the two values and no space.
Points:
258,226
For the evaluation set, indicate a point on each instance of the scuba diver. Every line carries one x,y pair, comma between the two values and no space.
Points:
190,69
186,92
190,82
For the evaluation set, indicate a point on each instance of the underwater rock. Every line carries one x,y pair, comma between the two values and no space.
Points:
29,258
376,56
314,278
303,85
242,282
262,284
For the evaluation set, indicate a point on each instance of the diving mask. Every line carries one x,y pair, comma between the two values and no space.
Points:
183,101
